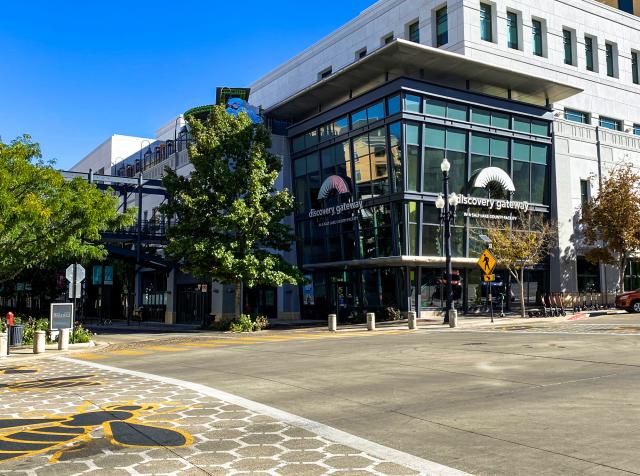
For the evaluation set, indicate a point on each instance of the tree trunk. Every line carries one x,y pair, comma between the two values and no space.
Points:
238,299
521,284
623,267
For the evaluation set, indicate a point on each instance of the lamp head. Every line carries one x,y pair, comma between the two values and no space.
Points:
454,200
440,202
445,166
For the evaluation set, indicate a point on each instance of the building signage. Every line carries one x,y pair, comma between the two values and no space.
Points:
497,176
61,316
336,184
493,203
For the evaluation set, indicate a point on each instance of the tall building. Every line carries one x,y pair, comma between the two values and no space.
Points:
531,103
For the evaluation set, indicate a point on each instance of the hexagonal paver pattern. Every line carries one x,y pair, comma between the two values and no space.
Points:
204,435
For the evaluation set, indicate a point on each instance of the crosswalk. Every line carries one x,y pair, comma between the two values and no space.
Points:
221,342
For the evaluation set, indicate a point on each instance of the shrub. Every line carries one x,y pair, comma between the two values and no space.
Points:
80,335
32,325
392,314
242,324
260,323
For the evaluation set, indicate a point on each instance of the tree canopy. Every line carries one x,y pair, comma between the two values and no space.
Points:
229,216
45,217
610,220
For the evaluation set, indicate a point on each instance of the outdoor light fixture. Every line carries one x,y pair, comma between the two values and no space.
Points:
447,216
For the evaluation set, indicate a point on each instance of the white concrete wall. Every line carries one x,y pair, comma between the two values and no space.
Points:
110,152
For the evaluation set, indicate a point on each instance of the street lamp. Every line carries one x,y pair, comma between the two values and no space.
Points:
447,209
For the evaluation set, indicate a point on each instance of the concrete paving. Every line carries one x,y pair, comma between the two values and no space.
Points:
484,401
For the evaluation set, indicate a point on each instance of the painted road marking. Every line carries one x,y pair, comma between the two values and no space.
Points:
165,348
91,356
128,352
383,452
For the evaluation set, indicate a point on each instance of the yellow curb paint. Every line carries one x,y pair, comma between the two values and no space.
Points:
128,352
90,356
165,348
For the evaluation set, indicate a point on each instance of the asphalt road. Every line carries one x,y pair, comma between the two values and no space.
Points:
556,398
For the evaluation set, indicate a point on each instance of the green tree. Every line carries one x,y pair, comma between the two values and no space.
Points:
45,217
229,215
610,220
525,243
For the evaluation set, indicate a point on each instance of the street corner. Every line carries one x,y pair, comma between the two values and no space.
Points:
67,417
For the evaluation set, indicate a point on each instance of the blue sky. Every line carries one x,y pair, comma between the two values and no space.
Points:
74,73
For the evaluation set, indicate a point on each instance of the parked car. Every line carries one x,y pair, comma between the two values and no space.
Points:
629,301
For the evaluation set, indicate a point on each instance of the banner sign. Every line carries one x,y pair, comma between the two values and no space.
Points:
223,95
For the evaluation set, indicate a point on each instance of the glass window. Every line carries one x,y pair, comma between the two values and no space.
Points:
481,116
434,137
610,60
636,129
521,124
413,159
456,140
512,30
414,32
499,147
576,116
567,40
588,51
609,123
310,138
412,103
540,128
486,28
396,155
457,112
413,228
521,151
480,144
539,154
375,112
635,72
537,37
521,180
298,144
432,240
500,120
359,119
442,28
370,159
434,107
588,276
584,192
441,143
393,105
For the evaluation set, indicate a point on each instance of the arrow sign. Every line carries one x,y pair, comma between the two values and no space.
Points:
80,273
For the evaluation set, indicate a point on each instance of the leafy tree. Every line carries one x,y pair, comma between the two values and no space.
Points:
610,220
44,217
229,215
522,245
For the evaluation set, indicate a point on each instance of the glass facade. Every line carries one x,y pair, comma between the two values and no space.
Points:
366,187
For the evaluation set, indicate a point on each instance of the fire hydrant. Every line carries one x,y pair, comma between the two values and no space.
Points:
10,319
9,326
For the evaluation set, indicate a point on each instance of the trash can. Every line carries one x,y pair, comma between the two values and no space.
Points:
15,337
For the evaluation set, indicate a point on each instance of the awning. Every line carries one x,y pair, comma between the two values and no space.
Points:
393,262
403,58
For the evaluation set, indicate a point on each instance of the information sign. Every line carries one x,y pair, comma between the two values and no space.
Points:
61,316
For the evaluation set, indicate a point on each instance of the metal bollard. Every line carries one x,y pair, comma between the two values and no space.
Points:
4,338
63,339
412,320
333,322
371,321
39,342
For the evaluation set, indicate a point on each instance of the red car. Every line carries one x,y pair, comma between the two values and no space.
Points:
629,301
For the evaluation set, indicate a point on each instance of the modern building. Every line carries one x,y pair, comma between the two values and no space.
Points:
531,104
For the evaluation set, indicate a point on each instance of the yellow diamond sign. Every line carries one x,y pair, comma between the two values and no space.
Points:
487,262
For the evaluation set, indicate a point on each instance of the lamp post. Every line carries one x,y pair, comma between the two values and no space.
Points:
447,209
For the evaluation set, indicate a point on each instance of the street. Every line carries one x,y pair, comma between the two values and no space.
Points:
542,398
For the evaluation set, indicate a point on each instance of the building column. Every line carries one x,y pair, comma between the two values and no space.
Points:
170,314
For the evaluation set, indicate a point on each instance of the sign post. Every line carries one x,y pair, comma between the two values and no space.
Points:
75,274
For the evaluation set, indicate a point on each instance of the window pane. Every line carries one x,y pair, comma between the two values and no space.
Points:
431,241
521,180
576,116
359,119
521,124
300,167
431,171
414,32
521,151
412,103
413,151
434,107
500,163
311,138
341,126
343,160
609,50
456,140
480,144
442,29
434,137
457,111
540,128
298,143
393,105
486,32
499,147
567,38
539,183
635,73
512,30
375,112
500,120
457,174
481,116
588,52
537,37
539,154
